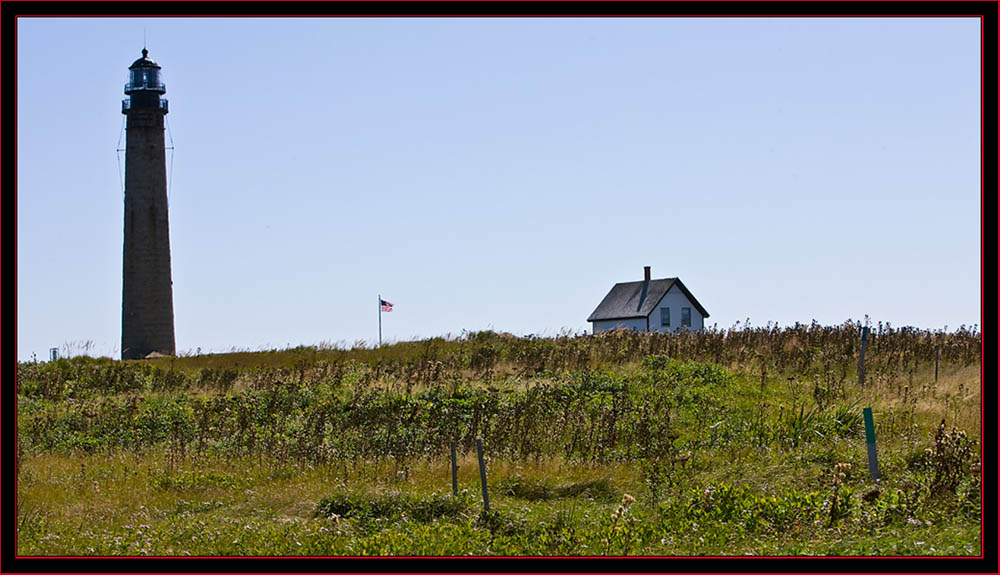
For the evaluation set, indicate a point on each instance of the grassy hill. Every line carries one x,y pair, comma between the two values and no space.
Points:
715,443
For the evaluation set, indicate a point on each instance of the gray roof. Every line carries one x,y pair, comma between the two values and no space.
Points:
635,299
144,62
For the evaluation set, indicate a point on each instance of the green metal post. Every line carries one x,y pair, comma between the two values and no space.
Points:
870,441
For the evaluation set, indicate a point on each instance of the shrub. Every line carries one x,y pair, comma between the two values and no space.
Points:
393,505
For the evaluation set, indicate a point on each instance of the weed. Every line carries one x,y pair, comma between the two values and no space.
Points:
840,501
950,460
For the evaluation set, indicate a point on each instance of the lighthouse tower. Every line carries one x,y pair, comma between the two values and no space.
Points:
147,290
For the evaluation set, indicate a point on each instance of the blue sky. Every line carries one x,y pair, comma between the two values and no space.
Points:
504,173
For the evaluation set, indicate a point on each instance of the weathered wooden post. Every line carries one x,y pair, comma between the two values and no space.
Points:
454,471
482,473
870,441
937,358
861,358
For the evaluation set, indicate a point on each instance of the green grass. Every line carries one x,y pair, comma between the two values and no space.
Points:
372,510
594,446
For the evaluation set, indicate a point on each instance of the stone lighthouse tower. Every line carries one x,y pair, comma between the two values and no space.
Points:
147,291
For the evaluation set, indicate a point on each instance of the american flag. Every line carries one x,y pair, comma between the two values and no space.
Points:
386,306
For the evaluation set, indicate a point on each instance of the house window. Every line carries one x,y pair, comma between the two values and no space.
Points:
665,316
686,317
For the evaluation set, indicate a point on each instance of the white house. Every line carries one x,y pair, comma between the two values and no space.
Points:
649,305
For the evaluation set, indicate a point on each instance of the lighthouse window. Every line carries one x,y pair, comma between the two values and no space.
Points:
145,78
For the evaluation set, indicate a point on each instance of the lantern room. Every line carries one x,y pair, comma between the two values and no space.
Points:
145,85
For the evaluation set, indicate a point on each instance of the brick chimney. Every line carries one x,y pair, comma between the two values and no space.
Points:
645,271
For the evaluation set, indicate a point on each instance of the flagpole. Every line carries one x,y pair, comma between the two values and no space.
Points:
380,320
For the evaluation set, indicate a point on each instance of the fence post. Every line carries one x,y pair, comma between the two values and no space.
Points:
937,358
454,471
482,473
870,441
861,359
